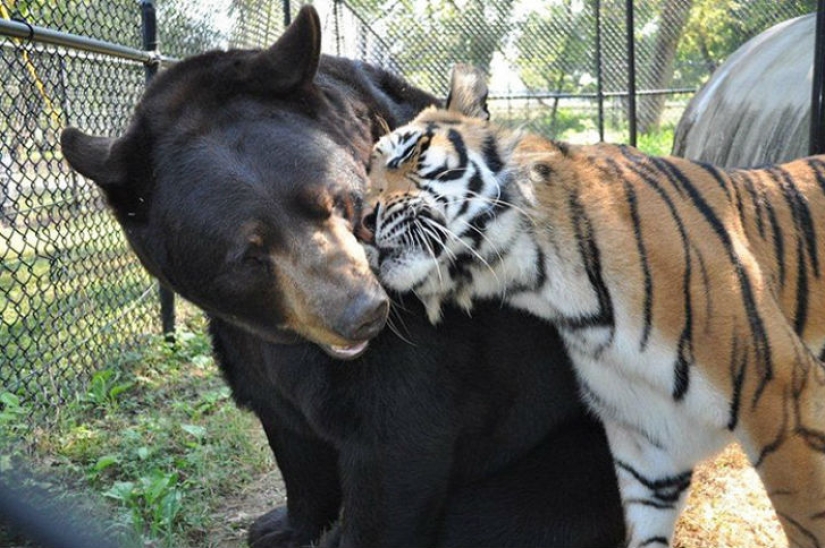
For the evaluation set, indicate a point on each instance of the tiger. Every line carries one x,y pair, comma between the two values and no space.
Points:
688,297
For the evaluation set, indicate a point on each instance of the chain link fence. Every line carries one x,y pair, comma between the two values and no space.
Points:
73,299
562,67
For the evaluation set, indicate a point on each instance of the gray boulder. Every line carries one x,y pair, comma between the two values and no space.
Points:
755,109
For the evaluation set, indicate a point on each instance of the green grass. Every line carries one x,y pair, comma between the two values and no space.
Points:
155,438
93,403
579,125
658,142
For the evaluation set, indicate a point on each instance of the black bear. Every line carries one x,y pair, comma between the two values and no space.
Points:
239,184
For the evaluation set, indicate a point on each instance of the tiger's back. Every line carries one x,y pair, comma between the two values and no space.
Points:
708,242
712,279
690,298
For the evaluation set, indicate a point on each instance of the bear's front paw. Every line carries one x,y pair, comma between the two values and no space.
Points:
332,538
272,530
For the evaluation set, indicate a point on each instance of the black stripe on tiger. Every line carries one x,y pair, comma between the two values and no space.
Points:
459,268
612,169
762,347
763,208
801,213
806,240
778,241
814,439
818,167
717,176
649,174
745,178
684,357
651,504
589,252
667,489
445,173
738,368
563,147
814,542
474,187
652,541
491,156
800,318
478,224
647,306
409,141
773,446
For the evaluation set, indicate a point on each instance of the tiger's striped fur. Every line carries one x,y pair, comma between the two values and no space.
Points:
691,299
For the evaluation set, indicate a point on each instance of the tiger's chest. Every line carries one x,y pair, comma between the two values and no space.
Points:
623,379
634,389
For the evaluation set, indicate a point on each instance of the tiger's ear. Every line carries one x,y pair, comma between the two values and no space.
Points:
468,92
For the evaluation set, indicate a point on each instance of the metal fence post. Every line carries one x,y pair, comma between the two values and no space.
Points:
150,43
599,81
149,30
817,135
287,13
631,73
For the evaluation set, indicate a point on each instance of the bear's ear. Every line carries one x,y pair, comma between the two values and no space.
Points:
468,92
292,61
93,157
121,167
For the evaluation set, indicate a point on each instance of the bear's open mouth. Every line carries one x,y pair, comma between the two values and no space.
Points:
349,352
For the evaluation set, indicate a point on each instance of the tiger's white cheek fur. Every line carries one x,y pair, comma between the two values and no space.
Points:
406,270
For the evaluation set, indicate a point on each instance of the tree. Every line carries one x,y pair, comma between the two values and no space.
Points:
426,36
188,27
555,52
717,28
657,74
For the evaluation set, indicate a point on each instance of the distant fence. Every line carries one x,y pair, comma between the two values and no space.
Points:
74,300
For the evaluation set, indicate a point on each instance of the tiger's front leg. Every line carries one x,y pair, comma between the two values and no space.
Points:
652,485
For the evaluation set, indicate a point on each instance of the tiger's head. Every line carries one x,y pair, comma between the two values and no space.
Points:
443,198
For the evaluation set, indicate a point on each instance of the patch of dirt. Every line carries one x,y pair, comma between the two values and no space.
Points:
727,508
240,511
237,512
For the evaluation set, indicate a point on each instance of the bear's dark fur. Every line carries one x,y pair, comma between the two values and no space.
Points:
239,183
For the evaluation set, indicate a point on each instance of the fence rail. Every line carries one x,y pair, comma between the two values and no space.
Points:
73,299
31,33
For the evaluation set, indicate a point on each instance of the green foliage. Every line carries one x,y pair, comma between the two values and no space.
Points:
189,27
13,427
678,43
425,38
152,435
717,28
154,503
561,123
105,388
556,48
658,142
